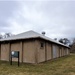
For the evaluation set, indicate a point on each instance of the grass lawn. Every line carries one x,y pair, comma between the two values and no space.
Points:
61,66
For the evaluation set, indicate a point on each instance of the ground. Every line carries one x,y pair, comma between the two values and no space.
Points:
60,66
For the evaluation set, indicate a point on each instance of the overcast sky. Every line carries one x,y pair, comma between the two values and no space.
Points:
56,18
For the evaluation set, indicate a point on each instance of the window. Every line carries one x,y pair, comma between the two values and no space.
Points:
42,45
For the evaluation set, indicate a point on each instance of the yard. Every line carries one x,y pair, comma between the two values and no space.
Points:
61,66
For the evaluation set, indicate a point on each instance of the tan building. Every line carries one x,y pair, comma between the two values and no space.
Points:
33,48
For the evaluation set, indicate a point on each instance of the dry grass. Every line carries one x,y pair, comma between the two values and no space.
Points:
61,66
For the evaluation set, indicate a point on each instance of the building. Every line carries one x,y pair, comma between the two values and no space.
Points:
33,48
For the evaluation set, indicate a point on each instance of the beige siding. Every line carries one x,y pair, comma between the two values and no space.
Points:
29,52
60,51
67,51
45,53
49,51
63,51
32,51
41,52
17,47
5,52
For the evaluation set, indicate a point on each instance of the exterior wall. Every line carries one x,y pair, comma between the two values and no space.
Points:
67,51
49,51
28,55
60,51
63,51
17,46
29,51
5,52
40,51
32,52
45,53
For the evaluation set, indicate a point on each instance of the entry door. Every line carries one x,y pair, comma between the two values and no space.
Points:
54,51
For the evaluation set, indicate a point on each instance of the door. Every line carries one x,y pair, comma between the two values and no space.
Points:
54,51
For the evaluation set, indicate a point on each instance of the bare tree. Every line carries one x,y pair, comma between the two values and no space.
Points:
73,46
1,36
7,35
61,40
65,41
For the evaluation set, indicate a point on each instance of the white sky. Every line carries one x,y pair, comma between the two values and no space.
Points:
56,18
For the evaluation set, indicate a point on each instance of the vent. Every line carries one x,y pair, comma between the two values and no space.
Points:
43,33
